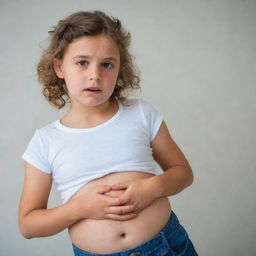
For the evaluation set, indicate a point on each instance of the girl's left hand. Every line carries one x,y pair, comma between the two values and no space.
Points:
139,193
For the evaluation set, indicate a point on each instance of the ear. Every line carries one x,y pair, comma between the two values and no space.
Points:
57,65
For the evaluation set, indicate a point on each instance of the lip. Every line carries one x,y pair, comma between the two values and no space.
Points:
92,92
93,87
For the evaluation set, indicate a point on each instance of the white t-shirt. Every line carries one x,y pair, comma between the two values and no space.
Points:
75,156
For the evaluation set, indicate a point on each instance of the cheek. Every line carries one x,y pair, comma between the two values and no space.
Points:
114,77
71,76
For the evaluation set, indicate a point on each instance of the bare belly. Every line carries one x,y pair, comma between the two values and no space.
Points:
109,236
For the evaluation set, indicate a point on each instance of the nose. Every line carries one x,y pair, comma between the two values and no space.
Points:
94,74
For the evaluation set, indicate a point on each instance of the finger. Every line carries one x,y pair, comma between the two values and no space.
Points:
103,189
121,210
121,217
115,193
117,201
120,186
125,199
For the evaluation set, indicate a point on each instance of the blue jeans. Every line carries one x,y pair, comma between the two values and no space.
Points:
172,240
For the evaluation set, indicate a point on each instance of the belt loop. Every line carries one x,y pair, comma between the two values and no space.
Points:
167,249
165,242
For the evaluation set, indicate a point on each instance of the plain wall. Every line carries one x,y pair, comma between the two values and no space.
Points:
197,64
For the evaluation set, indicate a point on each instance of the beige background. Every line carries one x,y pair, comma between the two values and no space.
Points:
197,62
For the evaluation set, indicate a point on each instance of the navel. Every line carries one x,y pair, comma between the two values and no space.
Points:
123,235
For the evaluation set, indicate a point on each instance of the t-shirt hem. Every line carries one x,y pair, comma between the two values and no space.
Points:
66,197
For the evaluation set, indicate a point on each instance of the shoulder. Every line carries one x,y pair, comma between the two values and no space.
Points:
137,102
46,132
47,128
141,106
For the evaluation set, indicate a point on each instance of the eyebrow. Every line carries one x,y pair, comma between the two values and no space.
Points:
89,57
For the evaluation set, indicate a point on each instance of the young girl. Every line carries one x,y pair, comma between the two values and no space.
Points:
101,153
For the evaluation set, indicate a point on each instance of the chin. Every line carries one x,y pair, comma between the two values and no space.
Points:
95,103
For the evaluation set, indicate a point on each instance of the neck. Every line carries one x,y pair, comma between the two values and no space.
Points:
87,114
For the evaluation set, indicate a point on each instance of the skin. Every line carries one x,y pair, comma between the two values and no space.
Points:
87,110
89,61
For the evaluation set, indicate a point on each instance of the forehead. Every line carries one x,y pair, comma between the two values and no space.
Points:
95,46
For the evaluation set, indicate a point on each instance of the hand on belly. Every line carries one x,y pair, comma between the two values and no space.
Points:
107,235
103,203
118,196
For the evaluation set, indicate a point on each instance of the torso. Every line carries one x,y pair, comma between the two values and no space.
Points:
109,236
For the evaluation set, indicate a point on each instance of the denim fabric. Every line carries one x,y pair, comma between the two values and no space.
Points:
172,240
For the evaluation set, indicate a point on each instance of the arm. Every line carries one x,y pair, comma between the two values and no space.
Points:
177,171
35,220
176,177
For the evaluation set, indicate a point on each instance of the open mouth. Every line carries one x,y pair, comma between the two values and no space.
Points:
93,90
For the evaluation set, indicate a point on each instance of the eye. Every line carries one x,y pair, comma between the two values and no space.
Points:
107,65
82,63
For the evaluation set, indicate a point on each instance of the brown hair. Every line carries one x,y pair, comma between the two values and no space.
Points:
74,26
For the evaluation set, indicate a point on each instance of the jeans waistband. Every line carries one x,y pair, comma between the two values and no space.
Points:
147,247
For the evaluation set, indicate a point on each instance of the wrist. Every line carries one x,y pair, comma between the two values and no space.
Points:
75,210
156,187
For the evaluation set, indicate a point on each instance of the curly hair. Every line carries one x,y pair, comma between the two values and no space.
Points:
77,25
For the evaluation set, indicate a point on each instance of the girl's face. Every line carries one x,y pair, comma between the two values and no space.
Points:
90,69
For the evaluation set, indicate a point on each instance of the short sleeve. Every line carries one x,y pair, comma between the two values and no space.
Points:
36,153
153,118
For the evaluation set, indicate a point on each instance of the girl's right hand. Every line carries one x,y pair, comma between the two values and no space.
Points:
99,203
